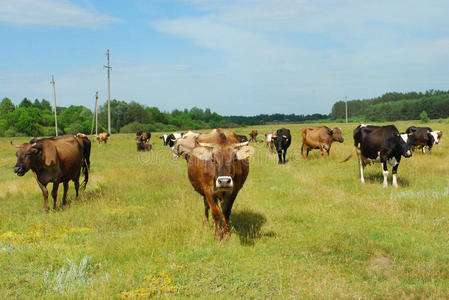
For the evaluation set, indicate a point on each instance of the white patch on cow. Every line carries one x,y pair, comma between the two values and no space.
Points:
177,135
269,136
395,181
165,136
392,161
404,137
423,149
364,125
174,152
435,136
385,173
362,179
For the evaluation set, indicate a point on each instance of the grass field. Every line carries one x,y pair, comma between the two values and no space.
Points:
307,229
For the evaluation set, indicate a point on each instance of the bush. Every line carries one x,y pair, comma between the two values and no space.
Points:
50,131
423,116
134,127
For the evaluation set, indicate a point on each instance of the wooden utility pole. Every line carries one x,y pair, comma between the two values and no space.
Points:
52,82
109,92
346,108
95,117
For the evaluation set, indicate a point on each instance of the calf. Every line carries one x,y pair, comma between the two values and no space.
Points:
102,137
253,135
319,138
381,144
282,141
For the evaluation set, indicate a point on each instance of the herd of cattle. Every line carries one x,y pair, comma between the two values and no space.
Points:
217,162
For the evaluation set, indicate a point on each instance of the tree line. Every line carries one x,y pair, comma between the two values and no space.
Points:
395,106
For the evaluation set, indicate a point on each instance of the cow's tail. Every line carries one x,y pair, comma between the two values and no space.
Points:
350,155
302,150
85,170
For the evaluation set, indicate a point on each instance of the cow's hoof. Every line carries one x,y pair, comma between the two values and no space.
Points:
384,186
219,235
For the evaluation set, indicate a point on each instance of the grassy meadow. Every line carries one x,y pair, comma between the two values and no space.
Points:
308,229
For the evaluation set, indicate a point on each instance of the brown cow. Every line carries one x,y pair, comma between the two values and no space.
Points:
319,138
56,160
146,136
217,170
103,137
253,135
142,144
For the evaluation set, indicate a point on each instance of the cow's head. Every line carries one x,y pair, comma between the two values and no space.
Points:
436,136
26,154
401,143
336,135
164,139
224,160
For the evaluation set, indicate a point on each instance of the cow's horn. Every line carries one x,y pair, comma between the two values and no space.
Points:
15,145
206,144
241,144
173,140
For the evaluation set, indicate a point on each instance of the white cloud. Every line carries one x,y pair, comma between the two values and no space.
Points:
51,13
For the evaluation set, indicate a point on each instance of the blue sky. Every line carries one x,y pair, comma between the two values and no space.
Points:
236,57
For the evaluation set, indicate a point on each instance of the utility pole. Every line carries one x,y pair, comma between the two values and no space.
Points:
346,108
52,82
109,92
95,117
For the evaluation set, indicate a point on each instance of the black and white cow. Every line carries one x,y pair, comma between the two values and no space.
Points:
381,144
423,137
170,139
282,141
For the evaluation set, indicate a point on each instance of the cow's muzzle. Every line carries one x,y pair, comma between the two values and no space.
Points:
224,182
19,171
408,153
341,140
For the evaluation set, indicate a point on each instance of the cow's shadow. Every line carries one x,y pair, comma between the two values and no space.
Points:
248,226
378,178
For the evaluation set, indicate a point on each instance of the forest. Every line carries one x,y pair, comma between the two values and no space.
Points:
395,106
36,118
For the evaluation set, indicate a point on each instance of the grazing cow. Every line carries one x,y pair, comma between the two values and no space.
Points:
146,136
381,144
57,160
423,137
319,138
142,144
217,170
103,137
282,141
253,135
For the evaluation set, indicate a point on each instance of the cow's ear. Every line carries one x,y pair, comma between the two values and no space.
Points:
49,155
245,152
202,153
331,132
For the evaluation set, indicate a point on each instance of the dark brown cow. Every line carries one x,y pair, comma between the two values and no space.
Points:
146,136
253,135
142,144
217,170
103,137
319,138
56,160
422,137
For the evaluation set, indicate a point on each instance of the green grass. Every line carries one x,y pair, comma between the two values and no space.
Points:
307,229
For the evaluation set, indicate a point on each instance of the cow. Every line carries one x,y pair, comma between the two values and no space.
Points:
217,170
423,137
57,160
170,139
242,138
253,135
145,135
282,141
184,146
102,137
142,144
381,144
319,138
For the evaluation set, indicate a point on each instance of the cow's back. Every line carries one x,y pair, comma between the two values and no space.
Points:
314,136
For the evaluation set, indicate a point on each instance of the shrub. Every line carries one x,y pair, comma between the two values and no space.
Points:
423,116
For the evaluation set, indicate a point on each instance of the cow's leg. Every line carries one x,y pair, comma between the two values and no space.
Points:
395,171
423,149
76,182
284,154
64,196
206,212
302,150
385,173
44,193
280,156
362,179
226,208
215,214
54,193
321,149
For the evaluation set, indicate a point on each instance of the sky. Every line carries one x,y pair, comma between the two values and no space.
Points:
235,57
